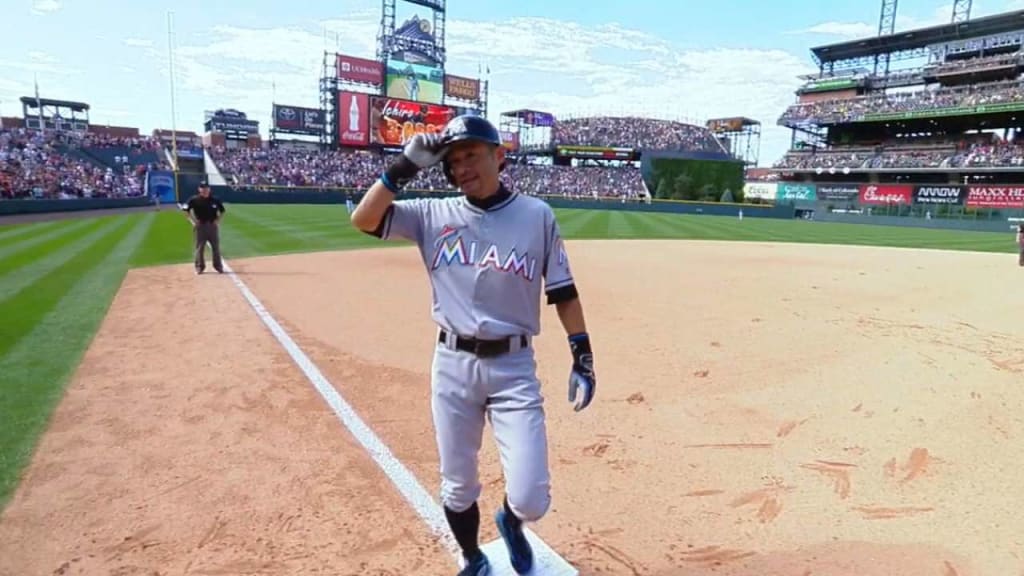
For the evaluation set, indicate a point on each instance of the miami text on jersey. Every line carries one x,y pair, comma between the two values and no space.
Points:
455,251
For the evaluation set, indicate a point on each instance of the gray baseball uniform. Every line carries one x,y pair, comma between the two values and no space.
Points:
486,269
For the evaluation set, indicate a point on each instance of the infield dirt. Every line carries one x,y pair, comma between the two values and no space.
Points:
761,409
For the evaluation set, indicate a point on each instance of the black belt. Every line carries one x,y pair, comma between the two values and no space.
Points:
483,348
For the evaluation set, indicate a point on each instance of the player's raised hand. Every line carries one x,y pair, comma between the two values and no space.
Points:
582,380
424,150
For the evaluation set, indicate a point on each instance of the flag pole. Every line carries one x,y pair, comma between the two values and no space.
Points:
174,124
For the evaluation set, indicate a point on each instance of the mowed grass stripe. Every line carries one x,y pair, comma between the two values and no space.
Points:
26,307
168,240
37,368
25,242
580,223
23,270
246,234
9,232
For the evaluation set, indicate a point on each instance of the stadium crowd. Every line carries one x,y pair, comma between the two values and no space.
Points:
853,109
975,151
47,165
282,167
633,132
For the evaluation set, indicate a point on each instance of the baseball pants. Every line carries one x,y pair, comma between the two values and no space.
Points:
466,390
207,232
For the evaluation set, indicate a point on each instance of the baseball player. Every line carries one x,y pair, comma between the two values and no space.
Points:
487,253
1020,244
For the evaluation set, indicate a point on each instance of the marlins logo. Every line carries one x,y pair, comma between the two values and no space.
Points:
450,249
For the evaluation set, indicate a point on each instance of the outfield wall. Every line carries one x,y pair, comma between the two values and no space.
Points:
968,224
11,207
248,196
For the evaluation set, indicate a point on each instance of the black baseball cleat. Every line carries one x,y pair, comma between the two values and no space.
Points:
519,551
476,566
219,270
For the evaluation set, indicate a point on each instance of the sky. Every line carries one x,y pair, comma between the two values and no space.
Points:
687,61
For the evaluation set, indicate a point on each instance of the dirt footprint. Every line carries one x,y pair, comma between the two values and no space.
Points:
838,472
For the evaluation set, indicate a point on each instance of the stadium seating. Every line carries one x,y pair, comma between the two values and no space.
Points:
853,109
279,167
634,132
34,165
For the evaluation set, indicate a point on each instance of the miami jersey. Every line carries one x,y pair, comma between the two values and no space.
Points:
487,267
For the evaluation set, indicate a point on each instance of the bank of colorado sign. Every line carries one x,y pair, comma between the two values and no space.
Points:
941,194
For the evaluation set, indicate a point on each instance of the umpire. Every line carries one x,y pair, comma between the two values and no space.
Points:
205,211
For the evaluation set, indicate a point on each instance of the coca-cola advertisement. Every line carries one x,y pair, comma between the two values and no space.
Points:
1005,196
886,194
394,122
353,119
360,70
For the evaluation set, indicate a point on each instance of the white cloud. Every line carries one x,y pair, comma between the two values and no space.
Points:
41,7
842,29
562,67
138,42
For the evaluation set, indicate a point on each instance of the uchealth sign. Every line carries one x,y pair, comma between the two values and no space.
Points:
759,190
886,194
995,196
840,192
788,191
945,194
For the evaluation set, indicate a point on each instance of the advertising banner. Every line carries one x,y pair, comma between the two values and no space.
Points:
298,120
539,119
510,140
787,191
1004,196
886,194
760,190
416,82
353,119
360,70
945,194
232,123
160,183
394,122
462,88
597,152
838,192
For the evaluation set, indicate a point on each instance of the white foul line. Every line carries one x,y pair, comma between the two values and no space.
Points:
402,478
410,488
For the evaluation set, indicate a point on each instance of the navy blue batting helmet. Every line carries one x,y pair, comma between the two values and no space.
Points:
469,127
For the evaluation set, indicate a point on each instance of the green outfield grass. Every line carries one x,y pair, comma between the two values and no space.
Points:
57,279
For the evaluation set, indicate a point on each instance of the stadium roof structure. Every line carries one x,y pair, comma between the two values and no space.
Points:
915,41
30,101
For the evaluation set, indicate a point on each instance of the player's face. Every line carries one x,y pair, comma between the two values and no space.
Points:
474,166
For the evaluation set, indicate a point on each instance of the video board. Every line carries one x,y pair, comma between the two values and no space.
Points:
393,122
418,82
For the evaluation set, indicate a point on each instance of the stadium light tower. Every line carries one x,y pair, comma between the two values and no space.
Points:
961,11
886,27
